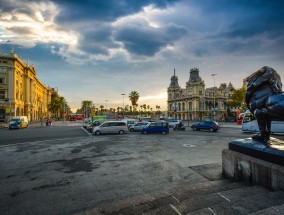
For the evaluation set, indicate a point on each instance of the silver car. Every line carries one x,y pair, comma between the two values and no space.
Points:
111,127
137,126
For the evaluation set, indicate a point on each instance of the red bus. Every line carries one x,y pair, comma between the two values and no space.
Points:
76,116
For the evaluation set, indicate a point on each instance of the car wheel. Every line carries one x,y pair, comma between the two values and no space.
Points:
144,132
121,132
97,133
211,129
163,132
131,129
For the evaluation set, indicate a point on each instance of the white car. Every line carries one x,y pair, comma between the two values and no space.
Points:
173,122
137,126
111,127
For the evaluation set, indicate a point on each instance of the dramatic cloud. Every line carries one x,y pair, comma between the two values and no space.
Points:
139,42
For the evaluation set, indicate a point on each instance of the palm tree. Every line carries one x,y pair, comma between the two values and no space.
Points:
102,108
86,106
144,107
56,105
133,97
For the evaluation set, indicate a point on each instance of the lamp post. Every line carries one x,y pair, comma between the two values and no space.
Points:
123,94
175,108
41,123
214,108
64,112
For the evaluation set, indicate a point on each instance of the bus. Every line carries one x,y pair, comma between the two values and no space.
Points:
250,124
75,116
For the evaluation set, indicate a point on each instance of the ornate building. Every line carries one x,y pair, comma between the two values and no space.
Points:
21,92
196,102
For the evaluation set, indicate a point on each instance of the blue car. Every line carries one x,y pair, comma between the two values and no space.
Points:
206,125
156,127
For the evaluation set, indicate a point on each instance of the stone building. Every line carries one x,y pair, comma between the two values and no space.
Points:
196,102
21,92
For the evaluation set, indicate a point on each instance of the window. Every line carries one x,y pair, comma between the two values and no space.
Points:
2,94
2,80
2,69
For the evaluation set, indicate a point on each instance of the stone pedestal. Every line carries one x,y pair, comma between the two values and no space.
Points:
255,163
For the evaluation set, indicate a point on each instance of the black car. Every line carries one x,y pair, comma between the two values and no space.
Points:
206,125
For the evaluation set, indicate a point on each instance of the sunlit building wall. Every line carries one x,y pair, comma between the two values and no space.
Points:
21,92
196,102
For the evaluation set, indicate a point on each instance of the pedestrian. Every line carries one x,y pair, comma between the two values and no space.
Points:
47,122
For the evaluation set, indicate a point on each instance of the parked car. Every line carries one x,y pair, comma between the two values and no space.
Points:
18,125
20,119
173,122
206,125
137,126
156,127
90,126
111,127
129,122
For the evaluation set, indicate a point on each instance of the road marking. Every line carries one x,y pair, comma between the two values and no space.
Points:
175,198
212,211
176,210
188,145
224,197
89,134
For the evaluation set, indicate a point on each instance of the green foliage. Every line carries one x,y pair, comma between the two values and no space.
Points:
237,99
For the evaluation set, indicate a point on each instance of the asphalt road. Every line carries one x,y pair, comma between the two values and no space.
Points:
61,170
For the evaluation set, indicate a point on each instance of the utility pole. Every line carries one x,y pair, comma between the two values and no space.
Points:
123,94
175,110
214,108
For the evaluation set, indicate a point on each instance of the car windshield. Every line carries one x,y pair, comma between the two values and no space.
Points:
15,120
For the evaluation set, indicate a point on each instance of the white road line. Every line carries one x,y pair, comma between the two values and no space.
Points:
175,198
224,197
176,210
89,134
212,211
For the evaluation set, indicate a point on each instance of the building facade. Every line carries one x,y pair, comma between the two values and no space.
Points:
195,102
21,92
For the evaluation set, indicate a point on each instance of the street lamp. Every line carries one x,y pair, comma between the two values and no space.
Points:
123,94
214,108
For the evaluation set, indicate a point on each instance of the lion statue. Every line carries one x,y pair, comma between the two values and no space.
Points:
265,99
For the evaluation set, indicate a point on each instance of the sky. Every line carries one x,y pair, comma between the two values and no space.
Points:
97,50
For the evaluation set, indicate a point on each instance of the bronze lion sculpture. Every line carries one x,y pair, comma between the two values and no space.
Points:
265,99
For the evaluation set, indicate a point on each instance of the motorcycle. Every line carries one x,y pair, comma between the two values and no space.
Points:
179,127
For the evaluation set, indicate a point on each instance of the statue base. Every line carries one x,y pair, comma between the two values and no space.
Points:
256,163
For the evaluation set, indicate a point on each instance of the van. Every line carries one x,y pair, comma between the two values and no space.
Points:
19,119
111,127
129,122
156,127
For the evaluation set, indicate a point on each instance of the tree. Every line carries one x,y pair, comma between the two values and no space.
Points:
237,99
133,97
85,106
56,105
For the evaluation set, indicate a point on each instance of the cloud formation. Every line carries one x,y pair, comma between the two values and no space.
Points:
136,39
